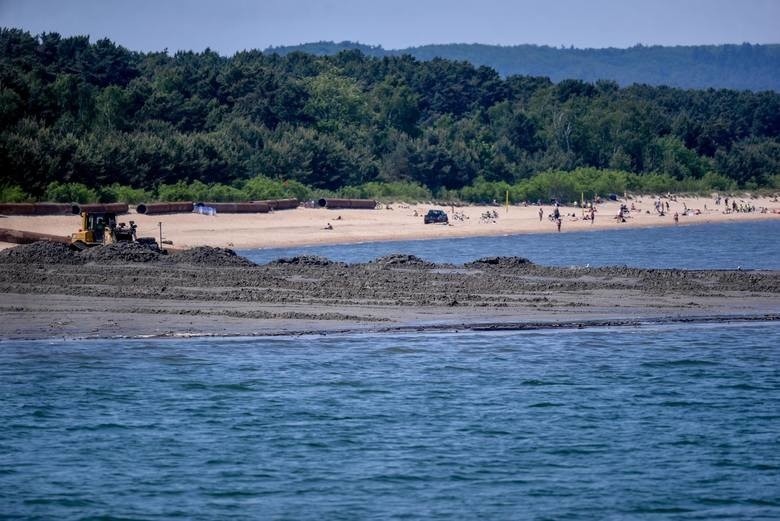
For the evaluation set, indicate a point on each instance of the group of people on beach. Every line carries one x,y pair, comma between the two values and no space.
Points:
742,207
556,217
661,206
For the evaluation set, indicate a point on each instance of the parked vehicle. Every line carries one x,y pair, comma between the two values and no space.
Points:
436,216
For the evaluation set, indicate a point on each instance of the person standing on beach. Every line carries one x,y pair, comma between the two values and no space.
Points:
541,214
592,214
676,218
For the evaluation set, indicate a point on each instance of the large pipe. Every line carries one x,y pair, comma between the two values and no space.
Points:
366,204
35,209
76,209
280,204
158,208
255,207
186,207
22,237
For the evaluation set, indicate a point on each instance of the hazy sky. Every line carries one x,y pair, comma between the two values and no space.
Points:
230,25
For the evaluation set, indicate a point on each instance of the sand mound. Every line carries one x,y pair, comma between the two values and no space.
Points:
402,260
58,253
304,260
209,256
500,262
119,253
40,252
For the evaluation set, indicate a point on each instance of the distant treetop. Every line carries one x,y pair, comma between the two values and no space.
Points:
741,67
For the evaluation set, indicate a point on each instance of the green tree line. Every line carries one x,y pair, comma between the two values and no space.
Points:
96,114
566,186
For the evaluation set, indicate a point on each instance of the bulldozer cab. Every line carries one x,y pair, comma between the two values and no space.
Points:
101,228
98,224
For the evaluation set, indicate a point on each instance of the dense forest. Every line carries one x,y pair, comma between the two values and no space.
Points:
72,111
740,67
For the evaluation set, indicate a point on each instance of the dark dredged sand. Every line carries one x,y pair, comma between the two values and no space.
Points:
128,291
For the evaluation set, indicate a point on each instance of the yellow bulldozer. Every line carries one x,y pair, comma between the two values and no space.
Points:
99,225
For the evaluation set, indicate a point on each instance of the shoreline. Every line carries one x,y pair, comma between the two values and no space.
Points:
304,227
478,327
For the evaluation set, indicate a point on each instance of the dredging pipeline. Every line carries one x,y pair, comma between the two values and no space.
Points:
161,208
254,207
332,204
264,206
76,209
23,237
280,204
35,209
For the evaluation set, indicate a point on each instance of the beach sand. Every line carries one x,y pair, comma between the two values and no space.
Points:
45,298
306,226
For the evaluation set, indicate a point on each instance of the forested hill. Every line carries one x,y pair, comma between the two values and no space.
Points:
742,67
97,113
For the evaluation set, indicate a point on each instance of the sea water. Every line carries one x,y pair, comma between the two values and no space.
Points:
753,245
653,422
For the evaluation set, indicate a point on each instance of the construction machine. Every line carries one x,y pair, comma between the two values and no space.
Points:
99,225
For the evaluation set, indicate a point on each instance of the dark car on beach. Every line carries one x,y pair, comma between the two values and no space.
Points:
435,216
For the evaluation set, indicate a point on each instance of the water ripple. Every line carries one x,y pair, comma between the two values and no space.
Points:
674,422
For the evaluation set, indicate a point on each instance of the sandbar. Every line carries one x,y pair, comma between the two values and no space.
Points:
124,291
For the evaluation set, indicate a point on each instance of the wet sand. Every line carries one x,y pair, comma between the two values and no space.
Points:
48,292
306,226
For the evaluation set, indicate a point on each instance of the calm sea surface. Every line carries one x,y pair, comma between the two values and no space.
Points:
662,422
653,422
713,246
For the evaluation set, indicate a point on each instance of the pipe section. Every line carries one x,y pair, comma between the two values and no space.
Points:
365,204
23,237
35,209
76,209
255,207
160,208
280,204
264,206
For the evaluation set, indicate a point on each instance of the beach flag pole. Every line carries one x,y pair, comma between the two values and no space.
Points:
507,201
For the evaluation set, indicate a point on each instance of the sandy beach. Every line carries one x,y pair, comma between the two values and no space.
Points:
399,221
126,290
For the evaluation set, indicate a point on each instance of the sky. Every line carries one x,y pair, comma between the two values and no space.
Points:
228,26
